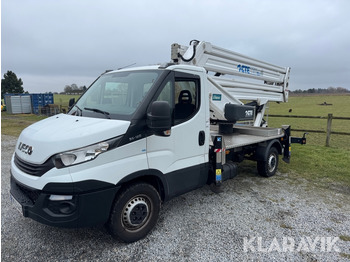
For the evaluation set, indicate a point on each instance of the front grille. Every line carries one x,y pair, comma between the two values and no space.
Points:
33,169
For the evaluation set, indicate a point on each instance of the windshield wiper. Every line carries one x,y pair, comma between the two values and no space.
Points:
98,111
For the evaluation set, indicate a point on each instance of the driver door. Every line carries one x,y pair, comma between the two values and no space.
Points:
181,157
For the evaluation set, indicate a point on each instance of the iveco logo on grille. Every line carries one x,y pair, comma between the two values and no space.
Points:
25,148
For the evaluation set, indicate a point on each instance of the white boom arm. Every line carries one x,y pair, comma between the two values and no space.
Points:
273,85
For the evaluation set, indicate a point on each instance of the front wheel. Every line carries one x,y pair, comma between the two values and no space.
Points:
268,166
135,212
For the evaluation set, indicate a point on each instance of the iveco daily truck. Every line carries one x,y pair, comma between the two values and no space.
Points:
140,136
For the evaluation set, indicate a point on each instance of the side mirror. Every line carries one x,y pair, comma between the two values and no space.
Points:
71,102
159,118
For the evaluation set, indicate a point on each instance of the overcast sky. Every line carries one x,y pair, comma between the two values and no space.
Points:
50,43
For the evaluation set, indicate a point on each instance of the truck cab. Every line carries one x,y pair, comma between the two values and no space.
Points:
144,124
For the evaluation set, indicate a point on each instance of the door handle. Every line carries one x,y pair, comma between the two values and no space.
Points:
201,138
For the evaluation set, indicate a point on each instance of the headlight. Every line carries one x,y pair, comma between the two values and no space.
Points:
84,154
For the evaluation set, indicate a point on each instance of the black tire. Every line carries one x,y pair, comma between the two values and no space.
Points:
269,165
134,213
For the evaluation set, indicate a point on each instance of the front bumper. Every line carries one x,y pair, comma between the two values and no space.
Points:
68,205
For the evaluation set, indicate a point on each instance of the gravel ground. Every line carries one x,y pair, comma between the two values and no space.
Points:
254,218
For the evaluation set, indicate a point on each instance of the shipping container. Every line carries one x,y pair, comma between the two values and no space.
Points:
41,100
18,104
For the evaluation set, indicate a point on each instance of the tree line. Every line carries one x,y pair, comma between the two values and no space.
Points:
329,90
11,84
73,89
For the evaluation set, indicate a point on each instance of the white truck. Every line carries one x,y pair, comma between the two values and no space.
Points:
141,136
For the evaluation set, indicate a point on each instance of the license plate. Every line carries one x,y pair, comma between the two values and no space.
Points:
16,204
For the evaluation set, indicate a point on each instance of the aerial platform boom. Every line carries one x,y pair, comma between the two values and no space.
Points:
254,80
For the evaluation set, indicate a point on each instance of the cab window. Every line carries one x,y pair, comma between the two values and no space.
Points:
182,94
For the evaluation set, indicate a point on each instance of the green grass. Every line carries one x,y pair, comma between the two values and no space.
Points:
344,237
314,161
13,125
310,106
319,164
63,100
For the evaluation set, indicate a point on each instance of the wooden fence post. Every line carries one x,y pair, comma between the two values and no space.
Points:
329,128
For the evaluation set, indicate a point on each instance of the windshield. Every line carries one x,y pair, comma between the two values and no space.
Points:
116,95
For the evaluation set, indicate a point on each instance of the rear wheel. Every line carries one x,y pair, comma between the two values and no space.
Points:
135,212
268,166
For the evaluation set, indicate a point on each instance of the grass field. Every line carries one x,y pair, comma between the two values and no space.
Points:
14,124
310,106
63,100
313,161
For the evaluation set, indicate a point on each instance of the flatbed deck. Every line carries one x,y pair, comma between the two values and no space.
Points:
247,135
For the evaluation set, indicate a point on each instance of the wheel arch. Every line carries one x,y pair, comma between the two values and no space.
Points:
263,149
151,176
